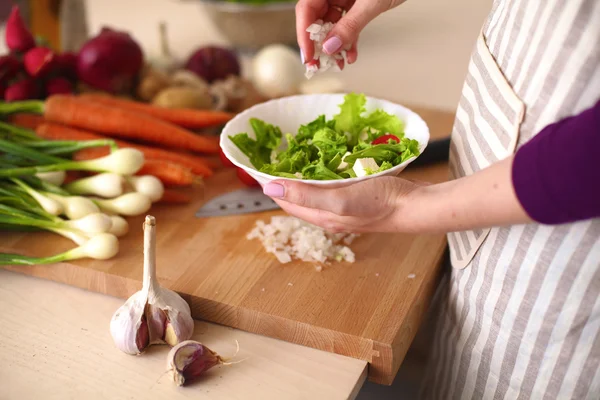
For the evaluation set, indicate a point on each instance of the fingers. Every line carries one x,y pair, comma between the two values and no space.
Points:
307,196
345,33
307,12
352,54
330,222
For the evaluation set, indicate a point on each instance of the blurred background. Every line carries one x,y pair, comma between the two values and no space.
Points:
416,54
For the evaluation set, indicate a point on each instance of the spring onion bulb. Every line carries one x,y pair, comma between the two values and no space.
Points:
106,184
99,247
148,185
119,226
126,161
92,223
76,236
129,204
50,205
75,207
55,177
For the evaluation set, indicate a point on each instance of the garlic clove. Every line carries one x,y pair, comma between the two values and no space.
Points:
180,324
128,326
189,360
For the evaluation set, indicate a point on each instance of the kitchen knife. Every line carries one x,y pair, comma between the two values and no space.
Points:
242,201
251,200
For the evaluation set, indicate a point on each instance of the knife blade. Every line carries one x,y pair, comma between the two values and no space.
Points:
241,201
252,200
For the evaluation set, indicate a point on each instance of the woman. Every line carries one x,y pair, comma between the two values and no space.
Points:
519,313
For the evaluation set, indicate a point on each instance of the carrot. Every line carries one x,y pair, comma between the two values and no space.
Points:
185,117
174,196
169,173
118,122
52,131
25,120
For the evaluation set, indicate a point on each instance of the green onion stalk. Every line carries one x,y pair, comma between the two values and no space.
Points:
99,247
125,161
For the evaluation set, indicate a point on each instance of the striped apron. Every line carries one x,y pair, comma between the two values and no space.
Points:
518,314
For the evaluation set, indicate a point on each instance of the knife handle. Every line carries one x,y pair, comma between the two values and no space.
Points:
437,151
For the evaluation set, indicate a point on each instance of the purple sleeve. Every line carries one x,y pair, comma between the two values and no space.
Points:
556,175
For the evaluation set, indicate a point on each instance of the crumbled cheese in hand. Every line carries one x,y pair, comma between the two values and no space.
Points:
291,238
318,32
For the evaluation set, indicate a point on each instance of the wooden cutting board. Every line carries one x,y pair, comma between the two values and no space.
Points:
370,309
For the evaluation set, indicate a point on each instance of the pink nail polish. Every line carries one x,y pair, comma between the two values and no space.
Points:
332,45
302,57
274,190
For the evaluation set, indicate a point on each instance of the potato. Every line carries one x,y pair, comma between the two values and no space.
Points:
183,97
151,83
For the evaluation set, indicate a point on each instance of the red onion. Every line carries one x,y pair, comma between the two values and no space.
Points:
18,36
213,63
39,61
66,65
58,85
110,61
9,67
25,89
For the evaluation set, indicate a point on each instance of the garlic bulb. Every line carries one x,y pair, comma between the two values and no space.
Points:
153,315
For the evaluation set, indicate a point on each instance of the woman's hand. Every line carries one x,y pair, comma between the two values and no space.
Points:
344,36
374,205
386,204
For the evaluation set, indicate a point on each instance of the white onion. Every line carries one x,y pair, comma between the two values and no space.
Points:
277,71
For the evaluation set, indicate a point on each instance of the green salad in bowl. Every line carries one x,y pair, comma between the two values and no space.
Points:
354,142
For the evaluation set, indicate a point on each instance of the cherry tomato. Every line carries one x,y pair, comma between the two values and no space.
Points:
225,161
385,138
245,178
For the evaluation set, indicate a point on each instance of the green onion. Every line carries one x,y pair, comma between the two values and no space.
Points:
106,184
125,161
99,247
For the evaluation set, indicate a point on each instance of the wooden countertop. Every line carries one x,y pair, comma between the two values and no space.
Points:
55,344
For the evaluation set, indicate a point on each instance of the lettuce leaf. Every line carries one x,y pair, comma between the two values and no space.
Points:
319,171
349,120
268,138
384,123
392,153
307,131
384,166
330,143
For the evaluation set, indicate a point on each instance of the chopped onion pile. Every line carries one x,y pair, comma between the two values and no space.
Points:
318,32
290,238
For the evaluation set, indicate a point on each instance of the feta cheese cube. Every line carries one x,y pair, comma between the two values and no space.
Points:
362,164
343,165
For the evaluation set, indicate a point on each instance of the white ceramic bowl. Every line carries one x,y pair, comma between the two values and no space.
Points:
289,113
